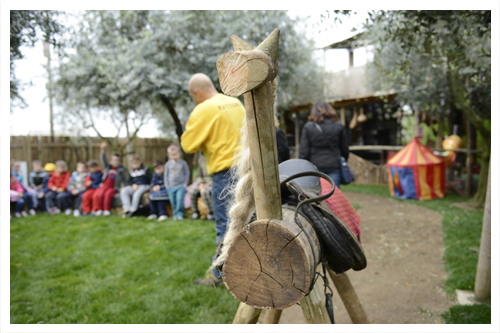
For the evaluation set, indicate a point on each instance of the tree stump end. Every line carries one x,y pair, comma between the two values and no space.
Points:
270,265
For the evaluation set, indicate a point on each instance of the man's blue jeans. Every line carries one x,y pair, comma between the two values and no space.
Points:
220,202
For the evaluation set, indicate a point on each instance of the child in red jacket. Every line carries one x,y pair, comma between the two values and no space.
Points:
57,186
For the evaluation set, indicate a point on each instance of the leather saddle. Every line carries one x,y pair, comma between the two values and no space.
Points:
300,189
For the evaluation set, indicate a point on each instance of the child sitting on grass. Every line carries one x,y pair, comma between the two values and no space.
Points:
57,186
158,196
36,176
75,189
92,183
15,169
176,180
35,179
15,186
48,168
29,193
138,183
113,175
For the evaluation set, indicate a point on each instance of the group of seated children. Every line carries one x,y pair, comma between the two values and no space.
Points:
92,189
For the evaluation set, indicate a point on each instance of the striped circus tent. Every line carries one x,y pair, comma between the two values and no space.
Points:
416,173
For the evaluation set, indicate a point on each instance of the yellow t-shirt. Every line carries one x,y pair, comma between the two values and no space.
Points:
214,126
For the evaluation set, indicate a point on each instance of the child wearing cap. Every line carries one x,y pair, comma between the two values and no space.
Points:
158,196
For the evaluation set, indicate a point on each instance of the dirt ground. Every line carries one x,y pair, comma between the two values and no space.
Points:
403,282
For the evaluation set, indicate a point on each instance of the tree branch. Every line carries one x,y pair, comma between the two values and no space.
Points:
178,126
464,104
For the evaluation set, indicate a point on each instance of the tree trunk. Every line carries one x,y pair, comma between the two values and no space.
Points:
478,200
189,158
440,132
463,103
482,289
468,160
178,126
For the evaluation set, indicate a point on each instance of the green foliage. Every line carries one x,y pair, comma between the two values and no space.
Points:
127,60
468,314
438,60
99,270
415,52
25,28
103,75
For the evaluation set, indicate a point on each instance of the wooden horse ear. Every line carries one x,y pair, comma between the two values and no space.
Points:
270,45
240,45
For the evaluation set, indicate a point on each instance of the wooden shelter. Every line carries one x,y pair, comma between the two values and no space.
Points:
381,127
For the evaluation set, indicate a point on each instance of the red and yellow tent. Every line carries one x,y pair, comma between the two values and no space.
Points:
416,173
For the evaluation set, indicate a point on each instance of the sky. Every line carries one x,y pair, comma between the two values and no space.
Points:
35,119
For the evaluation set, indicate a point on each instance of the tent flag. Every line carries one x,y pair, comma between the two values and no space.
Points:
416,173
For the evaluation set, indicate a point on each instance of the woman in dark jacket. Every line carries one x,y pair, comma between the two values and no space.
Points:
324,140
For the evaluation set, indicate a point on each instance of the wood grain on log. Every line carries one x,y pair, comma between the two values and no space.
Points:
271,264
243,71
263,153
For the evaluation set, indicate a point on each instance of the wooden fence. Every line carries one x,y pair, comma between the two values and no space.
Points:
74,149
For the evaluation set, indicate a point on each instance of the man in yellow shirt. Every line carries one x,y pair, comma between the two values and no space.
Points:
214,126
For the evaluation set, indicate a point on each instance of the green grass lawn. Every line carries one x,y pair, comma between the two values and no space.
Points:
462,237
113,270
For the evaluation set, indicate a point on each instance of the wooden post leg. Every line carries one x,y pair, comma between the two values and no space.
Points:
313,307
246,314
272,316
349,298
